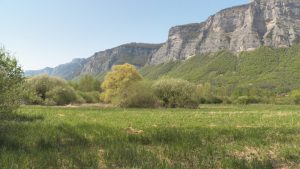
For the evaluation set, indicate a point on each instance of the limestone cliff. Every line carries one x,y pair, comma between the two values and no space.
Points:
137,54
274,23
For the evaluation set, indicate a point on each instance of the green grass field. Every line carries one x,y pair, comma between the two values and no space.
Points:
256,136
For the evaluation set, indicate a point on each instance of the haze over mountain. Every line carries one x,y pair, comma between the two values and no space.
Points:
272,23
137,54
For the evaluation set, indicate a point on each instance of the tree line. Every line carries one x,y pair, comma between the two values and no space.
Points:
124,86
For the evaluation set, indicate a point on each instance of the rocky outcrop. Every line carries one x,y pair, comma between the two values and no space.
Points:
137,54
274,23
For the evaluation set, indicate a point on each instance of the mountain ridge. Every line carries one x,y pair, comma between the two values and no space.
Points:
272,23
137,54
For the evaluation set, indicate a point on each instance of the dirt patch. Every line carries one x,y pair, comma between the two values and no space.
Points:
89,105
252,153
245,126
154,125
249,154
131,130
102,164
212,125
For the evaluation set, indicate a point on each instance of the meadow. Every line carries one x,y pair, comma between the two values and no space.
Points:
213,136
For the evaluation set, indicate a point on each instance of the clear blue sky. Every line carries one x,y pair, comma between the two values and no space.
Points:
44,33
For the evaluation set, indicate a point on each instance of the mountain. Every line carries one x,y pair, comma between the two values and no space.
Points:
137,54
274,23
66,71
270,23
269,68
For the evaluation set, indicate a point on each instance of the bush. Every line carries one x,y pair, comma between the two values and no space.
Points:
87,83
297,99
62,96
30,95
11,81
247,100
176,93
50,91
214,100
42,84
49,102
90,97
138,95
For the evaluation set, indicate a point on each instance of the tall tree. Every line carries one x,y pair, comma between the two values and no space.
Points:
11,80
118,79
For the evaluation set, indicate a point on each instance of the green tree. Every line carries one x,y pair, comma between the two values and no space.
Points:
11,80
88,83
117,80
176,93
138,95
62,96
43,83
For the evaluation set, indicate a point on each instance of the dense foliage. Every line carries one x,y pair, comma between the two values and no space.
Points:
86,83
11,80
139,94
175,93
46,90
265,75
117,80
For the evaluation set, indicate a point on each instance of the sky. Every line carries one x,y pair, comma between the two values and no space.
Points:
46,33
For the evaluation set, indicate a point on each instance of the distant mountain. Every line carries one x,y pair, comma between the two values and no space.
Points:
137,54
271,23
66,71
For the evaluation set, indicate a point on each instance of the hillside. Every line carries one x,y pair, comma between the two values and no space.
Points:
264,67
237,30
137,54
67,71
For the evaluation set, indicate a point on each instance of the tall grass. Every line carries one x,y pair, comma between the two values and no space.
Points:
255,136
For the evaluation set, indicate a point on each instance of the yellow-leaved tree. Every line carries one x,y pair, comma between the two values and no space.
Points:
117,80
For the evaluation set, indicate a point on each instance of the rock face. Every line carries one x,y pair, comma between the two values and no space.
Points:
137,54
274,23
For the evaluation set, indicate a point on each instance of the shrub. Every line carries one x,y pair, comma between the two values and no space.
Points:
88,83
175,93
297,99
62,95
30,96
90,97
47,90
295,96
139,95
49,102
214,100
247,100
42,84
11,80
